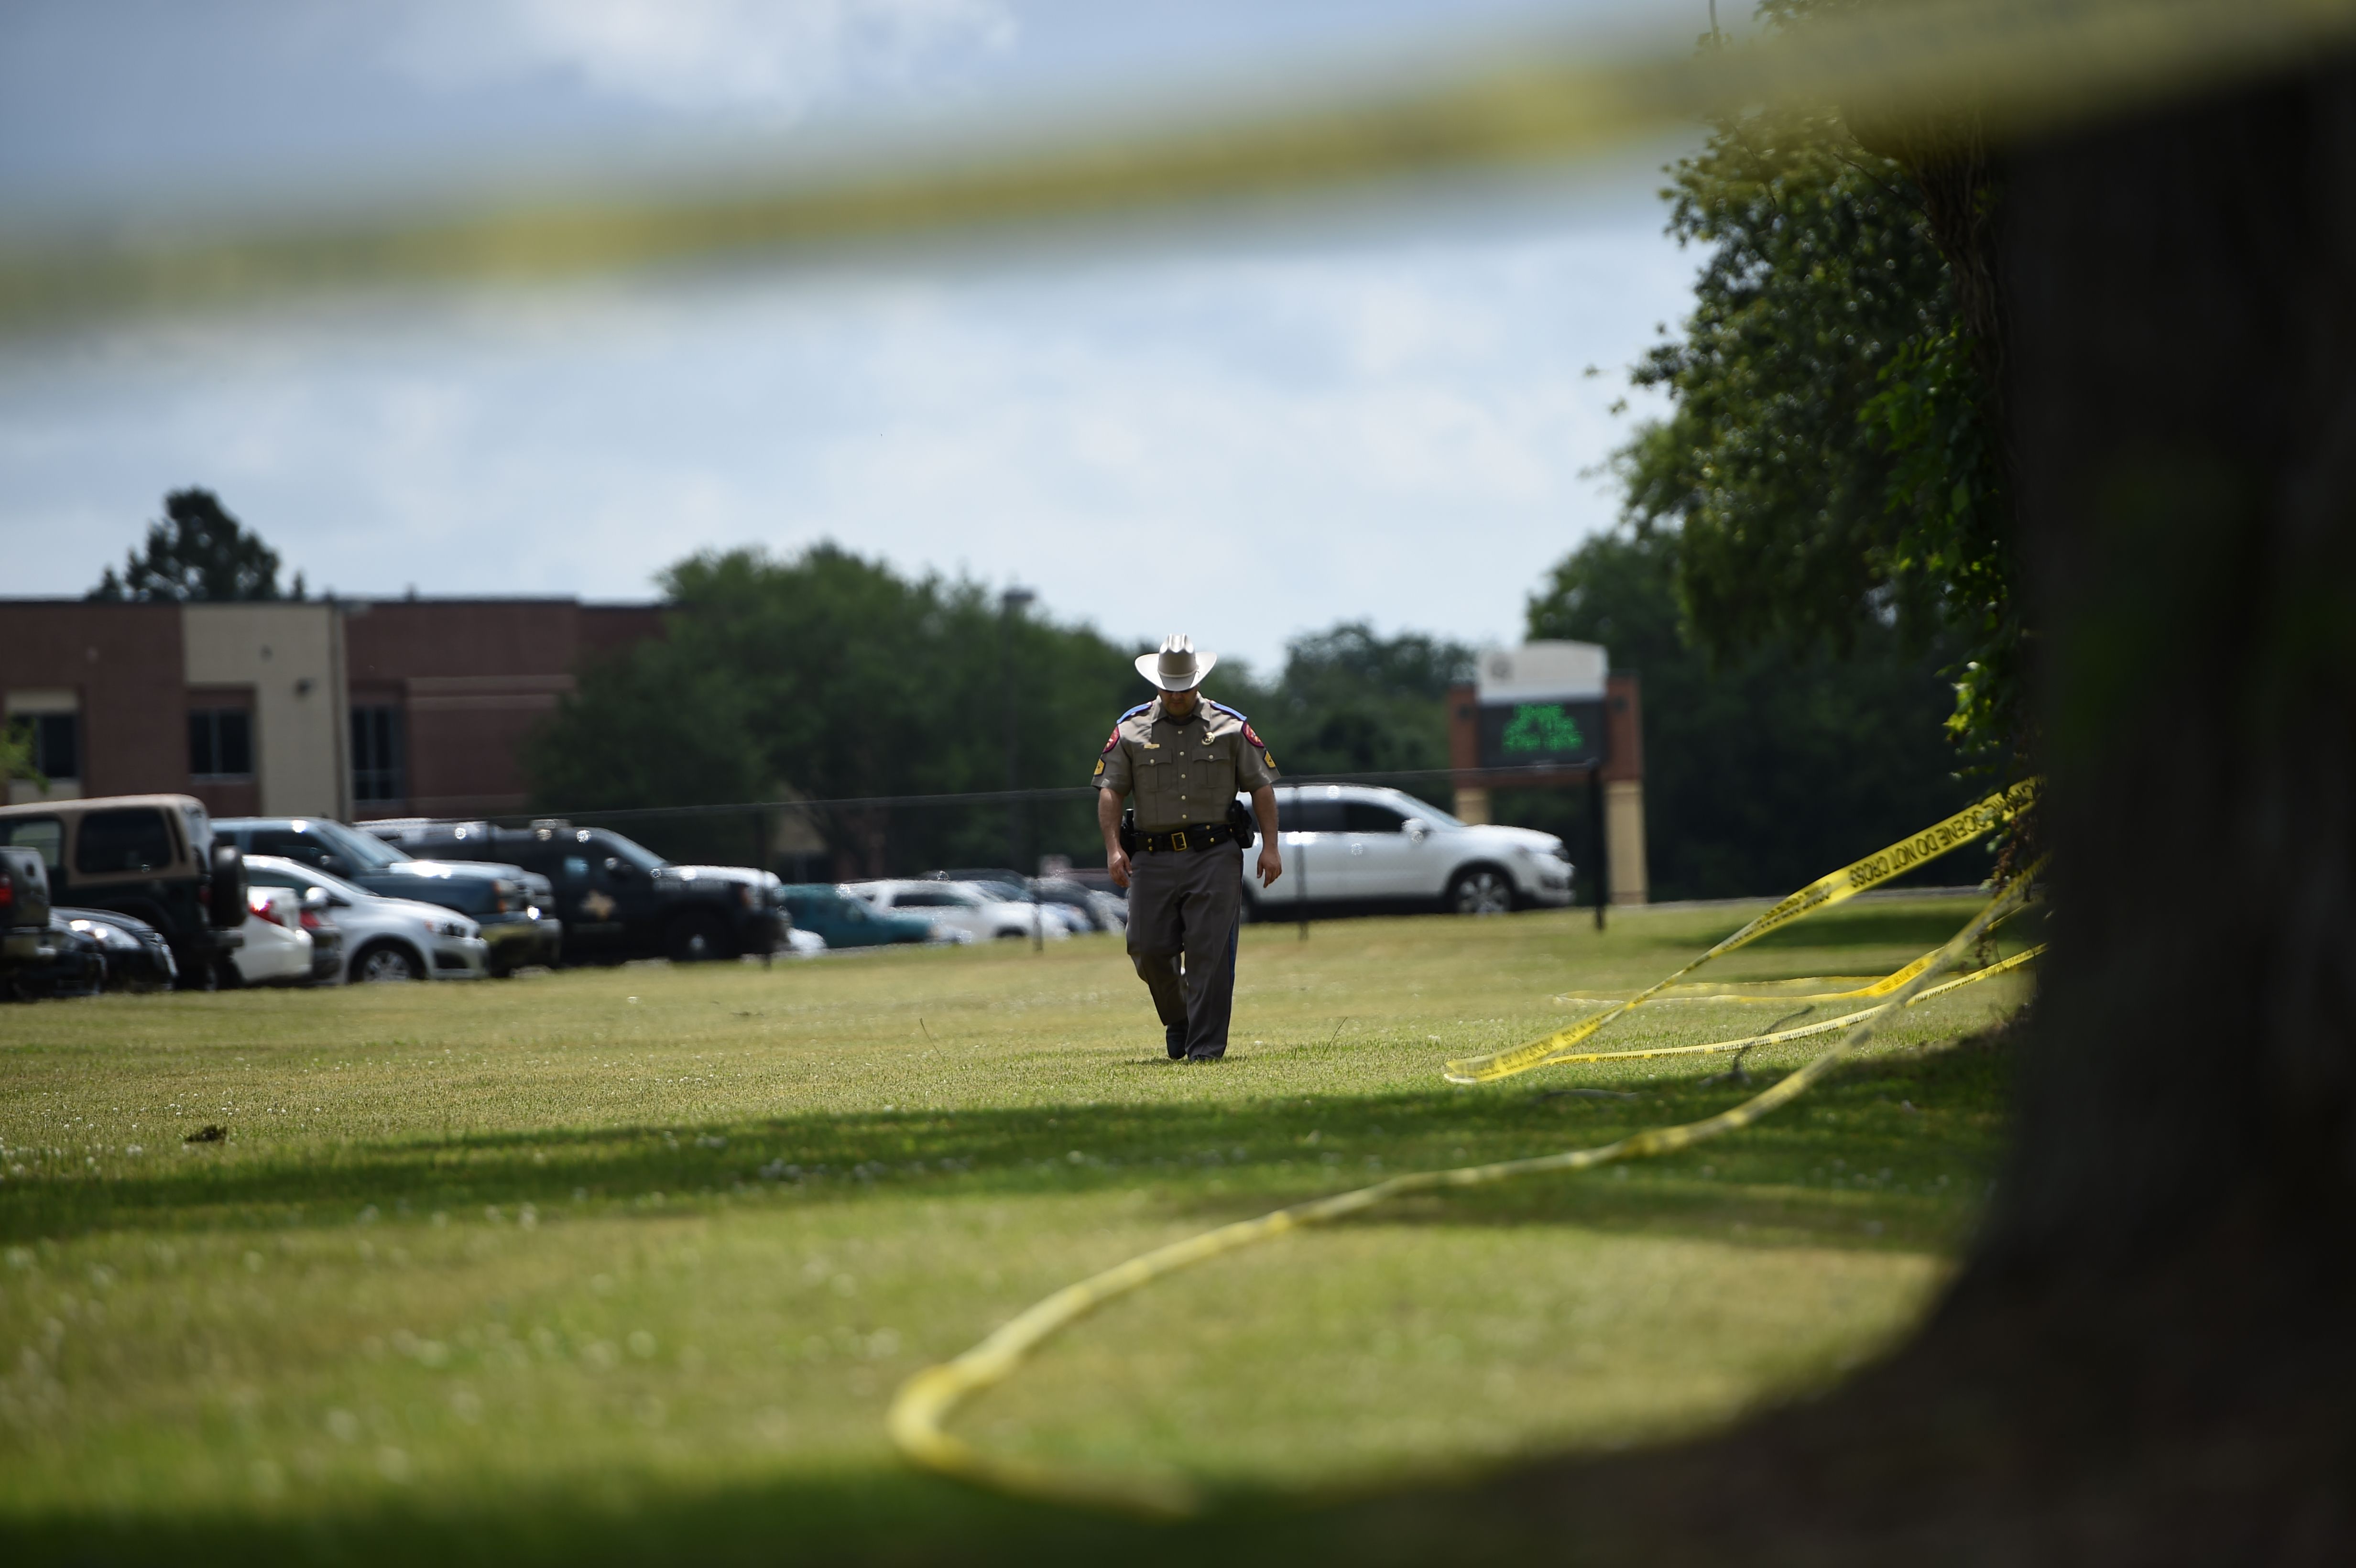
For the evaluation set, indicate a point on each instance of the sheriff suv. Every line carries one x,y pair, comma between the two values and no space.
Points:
1359,846
152,857
619,900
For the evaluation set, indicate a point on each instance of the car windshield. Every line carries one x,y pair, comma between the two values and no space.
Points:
636,853
365,850
1428,812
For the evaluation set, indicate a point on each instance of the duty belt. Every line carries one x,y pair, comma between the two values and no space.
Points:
1194,836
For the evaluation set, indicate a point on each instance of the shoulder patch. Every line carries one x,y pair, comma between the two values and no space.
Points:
1253,736
1110,742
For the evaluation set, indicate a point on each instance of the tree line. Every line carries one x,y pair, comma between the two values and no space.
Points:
826,676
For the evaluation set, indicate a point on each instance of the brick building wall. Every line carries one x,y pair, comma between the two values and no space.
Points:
390,708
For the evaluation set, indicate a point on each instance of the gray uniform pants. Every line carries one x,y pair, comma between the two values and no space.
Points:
1184,906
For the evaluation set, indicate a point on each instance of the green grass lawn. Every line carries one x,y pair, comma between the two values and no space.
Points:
601,1264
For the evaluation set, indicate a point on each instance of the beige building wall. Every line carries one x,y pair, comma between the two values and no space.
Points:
1624,839
292,656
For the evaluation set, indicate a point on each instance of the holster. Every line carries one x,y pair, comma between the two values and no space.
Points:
1239,817
1127,835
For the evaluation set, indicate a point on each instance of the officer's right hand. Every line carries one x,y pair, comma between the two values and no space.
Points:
1116,862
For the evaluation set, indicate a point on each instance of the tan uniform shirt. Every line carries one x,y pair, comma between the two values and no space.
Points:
1182,773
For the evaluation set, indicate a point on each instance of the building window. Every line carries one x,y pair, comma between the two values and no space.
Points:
377,771
56,740
220,743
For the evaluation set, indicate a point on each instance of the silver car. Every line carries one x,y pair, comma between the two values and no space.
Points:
384,939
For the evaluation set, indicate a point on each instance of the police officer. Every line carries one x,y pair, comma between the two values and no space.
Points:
1183,758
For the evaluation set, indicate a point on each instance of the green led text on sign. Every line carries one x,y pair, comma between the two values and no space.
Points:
1542,727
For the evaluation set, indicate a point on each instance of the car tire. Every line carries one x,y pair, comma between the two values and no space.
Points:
385,961
697,939
1481,890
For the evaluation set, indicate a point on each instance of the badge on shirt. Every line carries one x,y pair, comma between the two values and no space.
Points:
1112,740
1249,734
1100,767
1265,756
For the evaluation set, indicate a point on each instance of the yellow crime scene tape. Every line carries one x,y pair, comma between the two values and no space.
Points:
1801,1032
1781,992
1998,68
1917,849
920,1411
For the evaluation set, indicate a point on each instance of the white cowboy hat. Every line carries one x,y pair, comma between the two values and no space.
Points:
1177,668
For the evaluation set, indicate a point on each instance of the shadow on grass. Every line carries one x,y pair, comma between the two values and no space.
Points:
878,1516
1890,1152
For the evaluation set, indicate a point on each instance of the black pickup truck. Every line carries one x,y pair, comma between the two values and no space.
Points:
620,899
152,857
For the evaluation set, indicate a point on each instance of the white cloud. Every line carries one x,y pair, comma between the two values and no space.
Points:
1245,446
777,56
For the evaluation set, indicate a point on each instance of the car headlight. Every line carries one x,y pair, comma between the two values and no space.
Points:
508,896
450,928
747,895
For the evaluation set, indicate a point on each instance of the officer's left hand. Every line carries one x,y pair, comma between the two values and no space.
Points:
1272,864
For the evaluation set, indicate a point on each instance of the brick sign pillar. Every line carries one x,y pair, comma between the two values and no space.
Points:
1620,773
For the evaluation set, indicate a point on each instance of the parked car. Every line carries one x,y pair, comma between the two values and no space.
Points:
277,950
1111,904
619,900
327,937
1100,911
24,915
71,964
1074,915
848,922
382,938
155,858
974,907
505,901
137,956
1365,846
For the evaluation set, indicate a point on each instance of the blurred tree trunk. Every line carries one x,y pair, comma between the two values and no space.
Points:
2183,399
2150,1354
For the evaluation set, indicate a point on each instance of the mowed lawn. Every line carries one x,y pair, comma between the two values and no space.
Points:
627,1264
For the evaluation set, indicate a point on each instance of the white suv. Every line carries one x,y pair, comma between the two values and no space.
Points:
1352,844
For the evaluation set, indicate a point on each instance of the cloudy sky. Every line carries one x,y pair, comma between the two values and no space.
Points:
1241,431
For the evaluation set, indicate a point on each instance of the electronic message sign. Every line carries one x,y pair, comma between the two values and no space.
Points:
1541,706
1564,733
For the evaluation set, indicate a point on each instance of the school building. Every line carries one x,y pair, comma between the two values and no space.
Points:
351,709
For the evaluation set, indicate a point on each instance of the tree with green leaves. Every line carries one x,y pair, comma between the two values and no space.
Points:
1763,768
827,676
198,553
1351,700
17,757
1828,469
